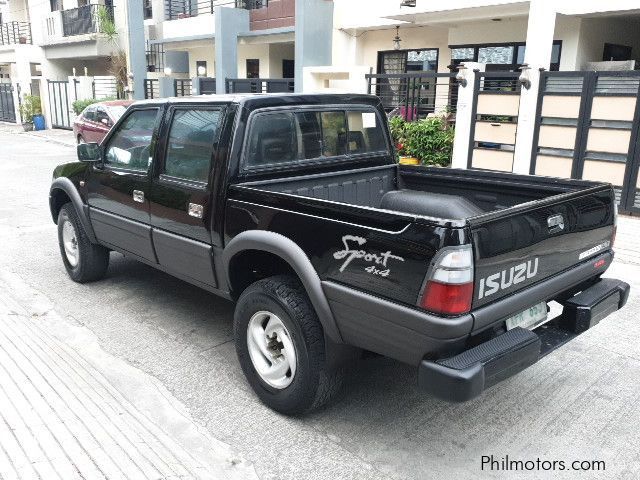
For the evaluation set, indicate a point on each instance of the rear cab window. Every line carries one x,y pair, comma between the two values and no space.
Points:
280,139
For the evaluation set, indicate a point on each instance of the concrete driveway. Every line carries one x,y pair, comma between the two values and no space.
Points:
580,403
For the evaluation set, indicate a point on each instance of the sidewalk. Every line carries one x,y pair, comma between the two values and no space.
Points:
69,410
56,135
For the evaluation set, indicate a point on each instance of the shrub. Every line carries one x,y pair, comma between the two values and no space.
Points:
79,105
31,106
430,140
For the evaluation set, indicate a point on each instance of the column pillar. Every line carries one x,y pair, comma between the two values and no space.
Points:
230,22
314,36
136,45
464,115
166,87
540,29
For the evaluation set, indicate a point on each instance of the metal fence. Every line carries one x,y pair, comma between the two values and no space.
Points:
15,32
182,87
105,86
259,85
415,95
207,85
85,19
155,57
151,88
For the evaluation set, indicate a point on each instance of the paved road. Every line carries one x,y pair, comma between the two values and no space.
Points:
581,403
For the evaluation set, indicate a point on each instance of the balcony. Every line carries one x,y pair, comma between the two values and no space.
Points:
12,33
180,9
61,26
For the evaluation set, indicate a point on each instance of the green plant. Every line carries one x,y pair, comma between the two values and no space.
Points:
117,59
430,140
31,106
106,24
79,105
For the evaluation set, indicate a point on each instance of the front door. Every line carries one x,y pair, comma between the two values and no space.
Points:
118,188
181,195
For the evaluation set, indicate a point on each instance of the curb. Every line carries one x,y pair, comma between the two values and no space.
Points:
48,139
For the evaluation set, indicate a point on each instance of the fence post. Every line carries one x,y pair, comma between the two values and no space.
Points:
195,86
467,96
166,87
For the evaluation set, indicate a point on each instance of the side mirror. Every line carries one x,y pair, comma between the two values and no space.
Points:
89,152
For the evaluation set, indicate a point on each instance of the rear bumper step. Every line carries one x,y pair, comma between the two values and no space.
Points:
466,375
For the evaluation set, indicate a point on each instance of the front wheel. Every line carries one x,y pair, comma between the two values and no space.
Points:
83,260
280,345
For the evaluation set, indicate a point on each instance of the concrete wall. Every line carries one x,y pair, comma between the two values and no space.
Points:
507,30
207,54
595,32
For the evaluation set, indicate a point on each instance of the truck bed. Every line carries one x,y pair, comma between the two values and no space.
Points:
429,192
508,218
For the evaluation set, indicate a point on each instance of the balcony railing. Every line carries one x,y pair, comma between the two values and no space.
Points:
252,4
176,9
85,19
15,32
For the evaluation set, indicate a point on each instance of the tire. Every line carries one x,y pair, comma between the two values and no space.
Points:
80,140
84,261
308,383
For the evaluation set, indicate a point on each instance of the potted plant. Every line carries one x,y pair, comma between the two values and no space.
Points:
29,109
22,39
399,129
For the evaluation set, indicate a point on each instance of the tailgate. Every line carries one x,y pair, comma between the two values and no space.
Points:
520,246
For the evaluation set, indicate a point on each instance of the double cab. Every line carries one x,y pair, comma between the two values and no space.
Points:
294,207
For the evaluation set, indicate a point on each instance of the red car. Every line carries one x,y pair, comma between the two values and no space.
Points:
95,121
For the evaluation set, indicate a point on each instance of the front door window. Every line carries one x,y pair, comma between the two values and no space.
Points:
130,146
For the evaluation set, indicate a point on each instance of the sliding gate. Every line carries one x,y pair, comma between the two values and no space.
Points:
7,106
59,107
587,127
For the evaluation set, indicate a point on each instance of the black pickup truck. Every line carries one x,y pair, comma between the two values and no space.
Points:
294,207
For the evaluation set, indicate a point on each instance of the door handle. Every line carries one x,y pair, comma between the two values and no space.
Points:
138,196
195,210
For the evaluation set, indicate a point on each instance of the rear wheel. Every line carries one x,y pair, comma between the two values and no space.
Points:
80,140
83,260
280,345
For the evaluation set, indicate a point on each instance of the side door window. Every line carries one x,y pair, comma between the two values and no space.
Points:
130,147
90,114
102,117
192,139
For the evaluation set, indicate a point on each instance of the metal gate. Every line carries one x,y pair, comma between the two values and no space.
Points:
7,106
587,126
59,104
414,95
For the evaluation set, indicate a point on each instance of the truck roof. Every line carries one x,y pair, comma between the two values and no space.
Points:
252,101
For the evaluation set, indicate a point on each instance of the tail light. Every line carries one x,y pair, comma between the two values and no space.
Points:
449,285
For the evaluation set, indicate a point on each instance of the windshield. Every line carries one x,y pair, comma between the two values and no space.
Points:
117,111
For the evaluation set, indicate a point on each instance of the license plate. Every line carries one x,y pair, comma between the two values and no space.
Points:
531,318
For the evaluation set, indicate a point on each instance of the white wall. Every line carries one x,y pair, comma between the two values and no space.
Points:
373,41
595,32
507,30
15,11
207,54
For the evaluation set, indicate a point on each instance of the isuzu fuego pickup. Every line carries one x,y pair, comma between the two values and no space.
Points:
294,207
